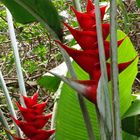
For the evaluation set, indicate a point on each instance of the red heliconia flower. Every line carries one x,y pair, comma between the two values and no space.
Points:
28,129
31,132
27,113
88,57
39,108
83,38
87,39
34,120
43,134
87,20
31,101
38,123
90,6
83,58
30,113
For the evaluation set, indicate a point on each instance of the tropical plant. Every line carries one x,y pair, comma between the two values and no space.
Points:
96,96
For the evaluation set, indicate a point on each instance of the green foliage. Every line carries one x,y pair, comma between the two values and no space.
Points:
43,8
69,119
49,83
40,51
131,118
138,3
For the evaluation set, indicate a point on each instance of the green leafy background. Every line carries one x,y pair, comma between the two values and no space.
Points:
44,8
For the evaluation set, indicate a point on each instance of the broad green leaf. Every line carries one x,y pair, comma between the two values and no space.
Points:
131,121
44,9
127,136
71,125
69,120
50,83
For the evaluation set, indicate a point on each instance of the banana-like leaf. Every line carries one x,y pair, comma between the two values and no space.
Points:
69,119
43,8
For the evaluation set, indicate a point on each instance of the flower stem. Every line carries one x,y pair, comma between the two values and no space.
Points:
16,55
114,72
106,113
9,101
5,124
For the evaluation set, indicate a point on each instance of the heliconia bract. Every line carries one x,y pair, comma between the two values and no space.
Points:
34,119
88,57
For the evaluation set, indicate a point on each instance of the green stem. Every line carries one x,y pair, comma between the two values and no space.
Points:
114,71
68,63
9,101
16,55
5,124
101,124
106,113
77,5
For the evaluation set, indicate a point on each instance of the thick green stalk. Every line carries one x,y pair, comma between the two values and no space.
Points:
77,4
8,99
16,55
114,71
106,113
68,63
5,124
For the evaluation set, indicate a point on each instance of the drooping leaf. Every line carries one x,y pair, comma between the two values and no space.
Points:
70,124
43,8
50,83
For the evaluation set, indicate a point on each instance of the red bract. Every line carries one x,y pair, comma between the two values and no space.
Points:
87,39
97,71
31,101
90,7
39,108
34,120
90,90
83,58
88,57
87,20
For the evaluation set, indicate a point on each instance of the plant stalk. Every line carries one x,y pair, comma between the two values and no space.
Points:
68,63
5,124
106,113
8,99
16,55
114,72
77,5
